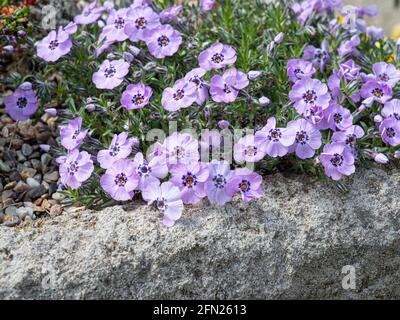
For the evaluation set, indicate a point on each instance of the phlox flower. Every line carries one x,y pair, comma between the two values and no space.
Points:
377,90
391,109
319,57
217,183
171,13
337,160
180,148
386,72
349,70
217,56
182,95
272,140
55,45
226,88
307,138
75,168
120,180
167,199
151,171
389,130
349,46
195,76
21,104
207,5
72,134
89,14
338,117
114,30
136,96
298,69
163,41
247,149
190,179
307,93
120,148
248,183
139,20
111,74
348,136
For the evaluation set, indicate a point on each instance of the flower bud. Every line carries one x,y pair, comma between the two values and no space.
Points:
378,118
134,50
90,107
223,124
380,158
26,86
253,75
44,147
279,37
264,101
52,112
397,154
128,56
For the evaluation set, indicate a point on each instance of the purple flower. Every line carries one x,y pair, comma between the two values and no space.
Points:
52,112
307,93
207,5
391,109
167,198
298,69
247,182
386,72
348,136
181,148
120,180
114,30
72,134
349,70
150,171
136,96
54,46
375,33
75,168
337,160
195,76
389,130
247,149
21,104
217,183
349,46
89,14
139,20
171,13
70,28
377,90
163,41
182,95
226,88
334,85
217,56
380,158
314,115
272,140
141,3
120,148
307,138
318,56
338,117
190,179
111,74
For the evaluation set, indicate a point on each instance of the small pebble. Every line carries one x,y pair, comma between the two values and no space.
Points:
45,159
20,156
11,211
36,164
21,187
26,150
51,177
12,223
10,185
27,172
58,196
35,193
1,217
55,210
1,187
15,176
32,182
4,167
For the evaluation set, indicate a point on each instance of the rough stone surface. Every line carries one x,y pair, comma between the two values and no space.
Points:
292,243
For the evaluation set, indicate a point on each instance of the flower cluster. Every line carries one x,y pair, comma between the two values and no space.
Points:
310,88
